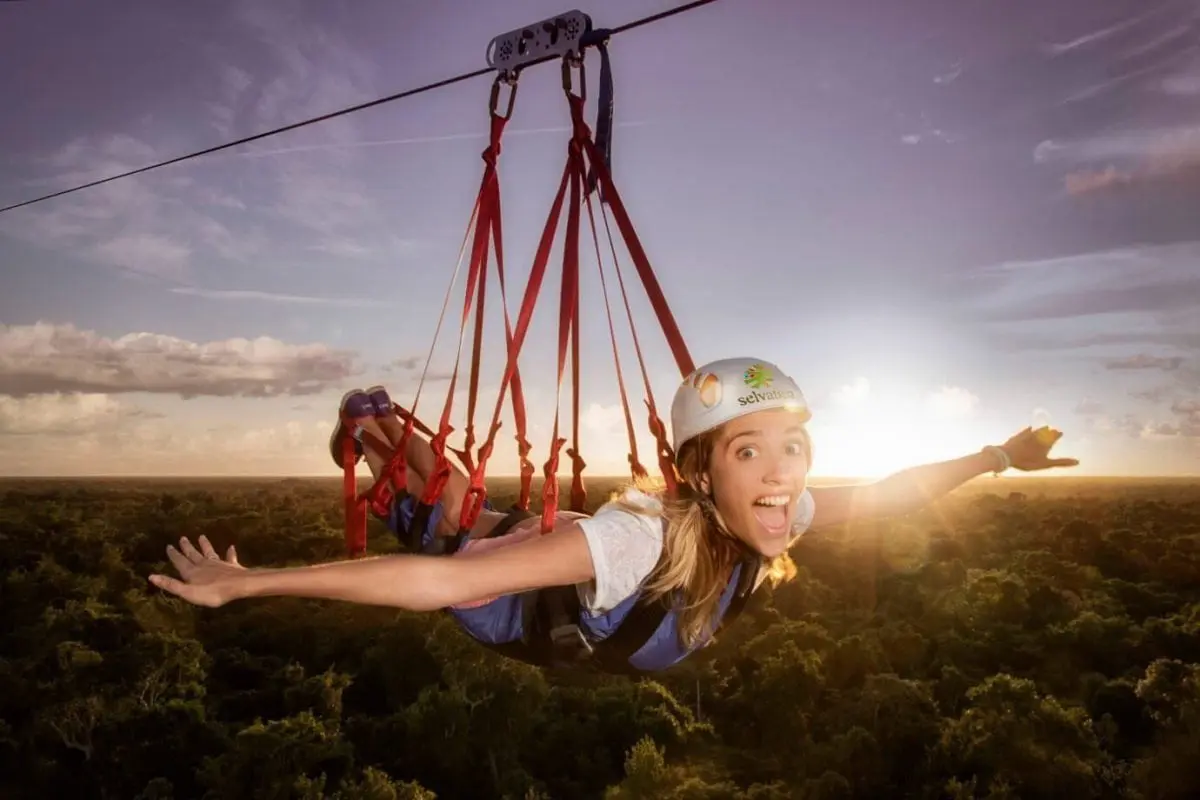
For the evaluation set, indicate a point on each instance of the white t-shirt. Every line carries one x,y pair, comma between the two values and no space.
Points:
625,547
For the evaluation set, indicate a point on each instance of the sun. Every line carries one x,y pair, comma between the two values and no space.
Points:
869,433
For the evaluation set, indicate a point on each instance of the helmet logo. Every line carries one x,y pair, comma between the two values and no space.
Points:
758,376
707,386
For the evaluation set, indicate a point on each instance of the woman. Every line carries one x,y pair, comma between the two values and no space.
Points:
647,579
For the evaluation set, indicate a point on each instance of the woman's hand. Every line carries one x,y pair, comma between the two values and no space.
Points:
1029,450
208,580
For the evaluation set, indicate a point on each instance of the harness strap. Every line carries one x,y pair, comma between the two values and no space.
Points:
613,654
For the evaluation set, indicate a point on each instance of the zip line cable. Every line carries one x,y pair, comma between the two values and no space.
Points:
637,23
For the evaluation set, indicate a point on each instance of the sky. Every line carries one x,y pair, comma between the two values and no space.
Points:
945,220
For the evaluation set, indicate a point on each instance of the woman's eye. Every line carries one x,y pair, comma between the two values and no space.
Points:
746,452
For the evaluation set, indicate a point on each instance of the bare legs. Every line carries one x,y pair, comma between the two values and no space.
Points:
421,462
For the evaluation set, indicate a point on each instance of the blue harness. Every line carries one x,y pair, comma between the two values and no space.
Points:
548,627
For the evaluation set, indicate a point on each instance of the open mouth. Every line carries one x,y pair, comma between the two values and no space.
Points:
773,512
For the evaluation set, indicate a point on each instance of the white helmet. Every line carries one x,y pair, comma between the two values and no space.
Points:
723,390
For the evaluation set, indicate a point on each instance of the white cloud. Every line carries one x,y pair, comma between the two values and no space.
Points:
952,401
276,297
153,224
1145,361
64,414
1187,417
853,394
1185,82
318,191
175,223
41,358
176,446
1177,142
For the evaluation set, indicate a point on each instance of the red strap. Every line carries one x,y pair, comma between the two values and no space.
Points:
533,286
356,508
567,312
637,470
477,274
580,147
666,456
571,267
659,302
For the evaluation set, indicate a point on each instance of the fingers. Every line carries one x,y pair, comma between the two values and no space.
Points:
190,551
206,548
1064,462
172,585
181,562
184,591
187,555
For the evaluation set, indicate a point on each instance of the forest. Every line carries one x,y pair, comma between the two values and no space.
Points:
1020,638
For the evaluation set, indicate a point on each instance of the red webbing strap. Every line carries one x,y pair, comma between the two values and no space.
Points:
578,465
571,267
378,497
658,301
476,493
663,449
490,194
393,477
518,392
355,506
637,470
476,276
568,310
533,287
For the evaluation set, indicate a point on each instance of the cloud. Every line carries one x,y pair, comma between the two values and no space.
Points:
1183,422
952,401
852,395
1126,158
1097,36
1088,407
157,447
1126,424
1147,279
1175,142
1185,82
318,192
157,224
65,414
241,295
1145,361
1187,414
44,358
198,216
1156,394
1183,171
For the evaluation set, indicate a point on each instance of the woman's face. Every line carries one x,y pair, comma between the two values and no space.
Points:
757,470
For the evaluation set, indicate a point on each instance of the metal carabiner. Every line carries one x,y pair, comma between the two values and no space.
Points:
509,78
570,60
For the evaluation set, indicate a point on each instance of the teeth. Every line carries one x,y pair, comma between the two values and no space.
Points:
777,500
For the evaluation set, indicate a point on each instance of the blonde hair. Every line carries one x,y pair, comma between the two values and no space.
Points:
699,551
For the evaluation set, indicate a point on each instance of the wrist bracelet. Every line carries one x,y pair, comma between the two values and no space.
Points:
999,452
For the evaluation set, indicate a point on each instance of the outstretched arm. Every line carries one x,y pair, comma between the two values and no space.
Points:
414,582
911,489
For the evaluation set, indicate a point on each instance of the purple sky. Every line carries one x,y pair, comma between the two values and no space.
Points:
947,220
